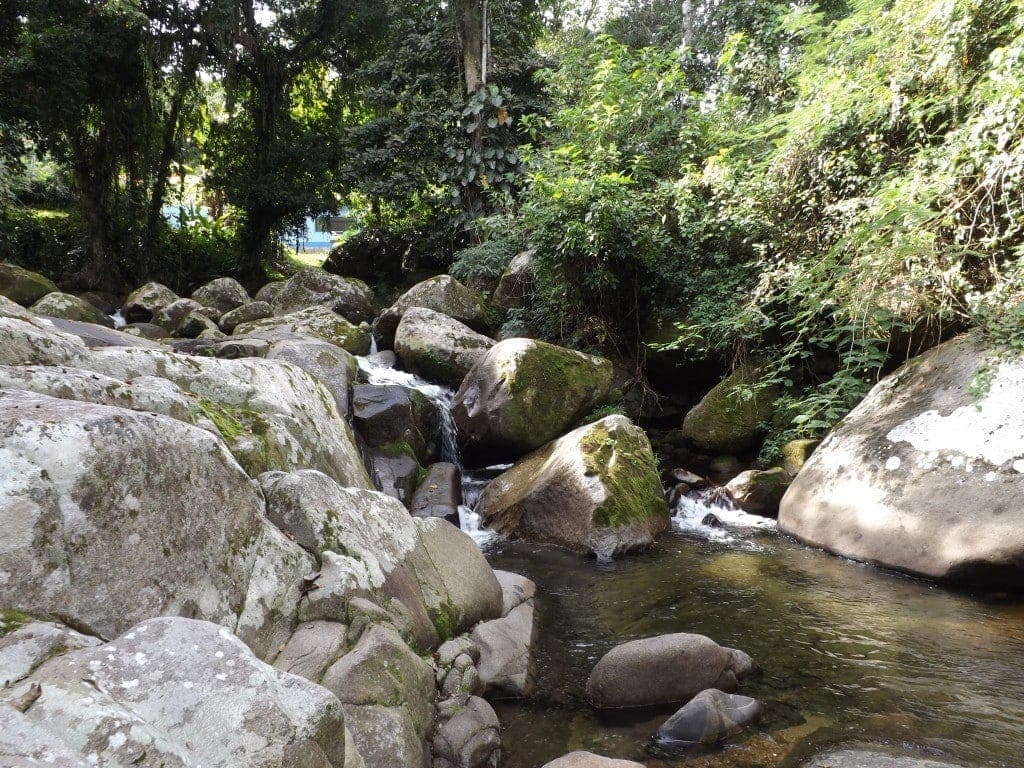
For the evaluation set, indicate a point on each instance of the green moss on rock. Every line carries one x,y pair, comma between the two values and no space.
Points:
624,463
730,418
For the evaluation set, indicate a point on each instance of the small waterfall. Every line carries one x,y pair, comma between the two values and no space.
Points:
119,319
709,514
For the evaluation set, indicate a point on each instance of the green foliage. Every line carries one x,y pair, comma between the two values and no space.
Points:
483,263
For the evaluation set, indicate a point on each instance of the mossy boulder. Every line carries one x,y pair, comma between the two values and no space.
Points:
595,490
319,322
523,393
443,294
517,282
795,454
170,316
437,347
730,418
247,313
352,299
69,307
23,286
145,301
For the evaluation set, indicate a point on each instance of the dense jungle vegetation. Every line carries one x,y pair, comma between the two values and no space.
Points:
821,188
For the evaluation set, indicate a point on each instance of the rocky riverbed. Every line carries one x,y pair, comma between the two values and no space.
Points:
303,528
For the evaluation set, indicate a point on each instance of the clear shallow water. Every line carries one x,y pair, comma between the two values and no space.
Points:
850,653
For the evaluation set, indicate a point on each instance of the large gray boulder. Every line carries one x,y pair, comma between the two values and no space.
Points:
24,647
443,294
170,316
144,302
523,393
331,365
95,336
927,473
437,347
70,307
223,294
663,670
595,490
247,313
311,286
176,692
22,286
759,491
272,414
317,322
99,528
517,282
26,340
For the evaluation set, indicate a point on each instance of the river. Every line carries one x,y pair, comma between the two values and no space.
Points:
850,653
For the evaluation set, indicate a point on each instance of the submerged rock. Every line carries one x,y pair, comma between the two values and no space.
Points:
22,286
174,691
69,307
927,473
437,347
729,418
442,294
595,490
873,758
582,759
663,670
523,393
708,718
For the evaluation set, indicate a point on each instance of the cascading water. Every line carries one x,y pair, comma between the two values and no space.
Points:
473,482
710,515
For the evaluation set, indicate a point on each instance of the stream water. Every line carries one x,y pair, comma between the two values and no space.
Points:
850,653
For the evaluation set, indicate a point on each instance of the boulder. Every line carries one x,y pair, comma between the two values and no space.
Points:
443,294
24,647
92,505
709,718
170,316
23,286
523,393
195,324
247,313
595,490
515,590
382,670
926,474
581,759
223,294
663,670
95,336
318,322
312,649
311,286
506,653
439,493
269,291
145,393
272,415
437,347
877,757
107,303
145,301
759,491
386,737
332,366
469,739
795,454
459,587
175,691
150,331
26,339
729,419
69,307
517,282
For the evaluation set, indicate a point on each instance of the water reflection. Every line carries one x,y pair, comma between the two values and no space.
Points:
849,652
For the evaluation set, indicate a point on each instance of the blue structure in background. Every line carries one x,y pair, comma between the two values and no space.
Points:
316,234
